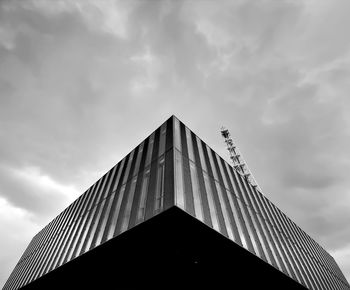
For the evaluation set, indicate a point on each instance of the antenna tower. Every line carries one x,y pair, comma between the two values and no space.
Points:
237,159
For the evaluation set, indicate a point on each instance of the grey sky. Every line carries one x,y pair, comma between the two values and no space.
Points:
83,82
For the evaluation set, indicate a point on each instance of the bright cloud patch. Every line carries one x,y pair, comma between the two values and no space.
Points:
33,177
17,230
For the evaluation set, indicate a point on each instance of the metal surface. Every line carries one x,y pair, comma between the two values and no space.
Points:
175,168
239,211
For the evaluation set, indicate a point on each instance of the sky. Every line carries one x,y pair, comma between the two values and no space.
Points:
84,82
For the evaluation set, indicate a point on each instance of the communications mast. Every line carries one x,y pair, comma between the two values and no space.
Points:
237,159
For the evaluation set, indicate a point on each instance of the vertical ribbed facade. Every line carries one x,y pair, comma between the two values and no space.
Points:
208,188
173,167
139,187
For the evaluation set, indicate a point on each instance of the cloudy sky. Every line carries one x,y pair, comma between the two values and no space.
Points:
82,83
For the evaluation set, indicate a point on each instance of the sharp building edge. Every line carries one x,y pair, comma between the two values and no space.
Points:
172,204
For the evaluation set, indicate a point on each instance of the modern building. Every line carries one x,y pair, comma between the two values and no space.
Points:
174,214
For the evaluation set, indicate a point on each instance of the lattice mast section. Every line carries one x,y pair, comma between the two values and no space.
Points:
237,159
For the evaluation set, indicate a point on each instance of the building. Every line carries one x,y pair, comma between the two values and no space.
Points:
174,214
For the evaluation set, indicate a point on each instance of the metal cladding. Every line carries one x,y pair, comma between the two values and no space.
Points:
173,167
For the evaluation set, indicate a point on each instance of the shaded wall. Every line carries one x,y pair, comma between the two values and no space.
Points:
140,186
174,167
209,189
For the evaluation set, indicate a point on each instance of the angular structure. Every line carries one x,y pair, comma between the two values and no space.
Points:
174,214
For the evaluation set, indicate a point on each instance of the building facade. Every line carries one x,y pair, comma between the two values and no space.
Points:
174,168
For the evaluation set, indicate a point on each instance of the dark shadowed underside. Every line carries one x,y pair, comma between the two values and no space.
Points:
173,213
171,250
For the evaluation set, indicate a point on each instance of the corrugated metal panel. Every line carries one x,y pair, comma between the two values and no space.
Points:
175,167
115,203
211,190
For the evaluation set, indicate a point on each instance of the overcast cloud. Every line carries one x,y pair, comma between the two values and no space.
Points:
83,82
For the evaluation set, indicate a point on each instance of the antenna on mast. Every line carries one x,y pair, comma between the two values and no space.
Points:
237,159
